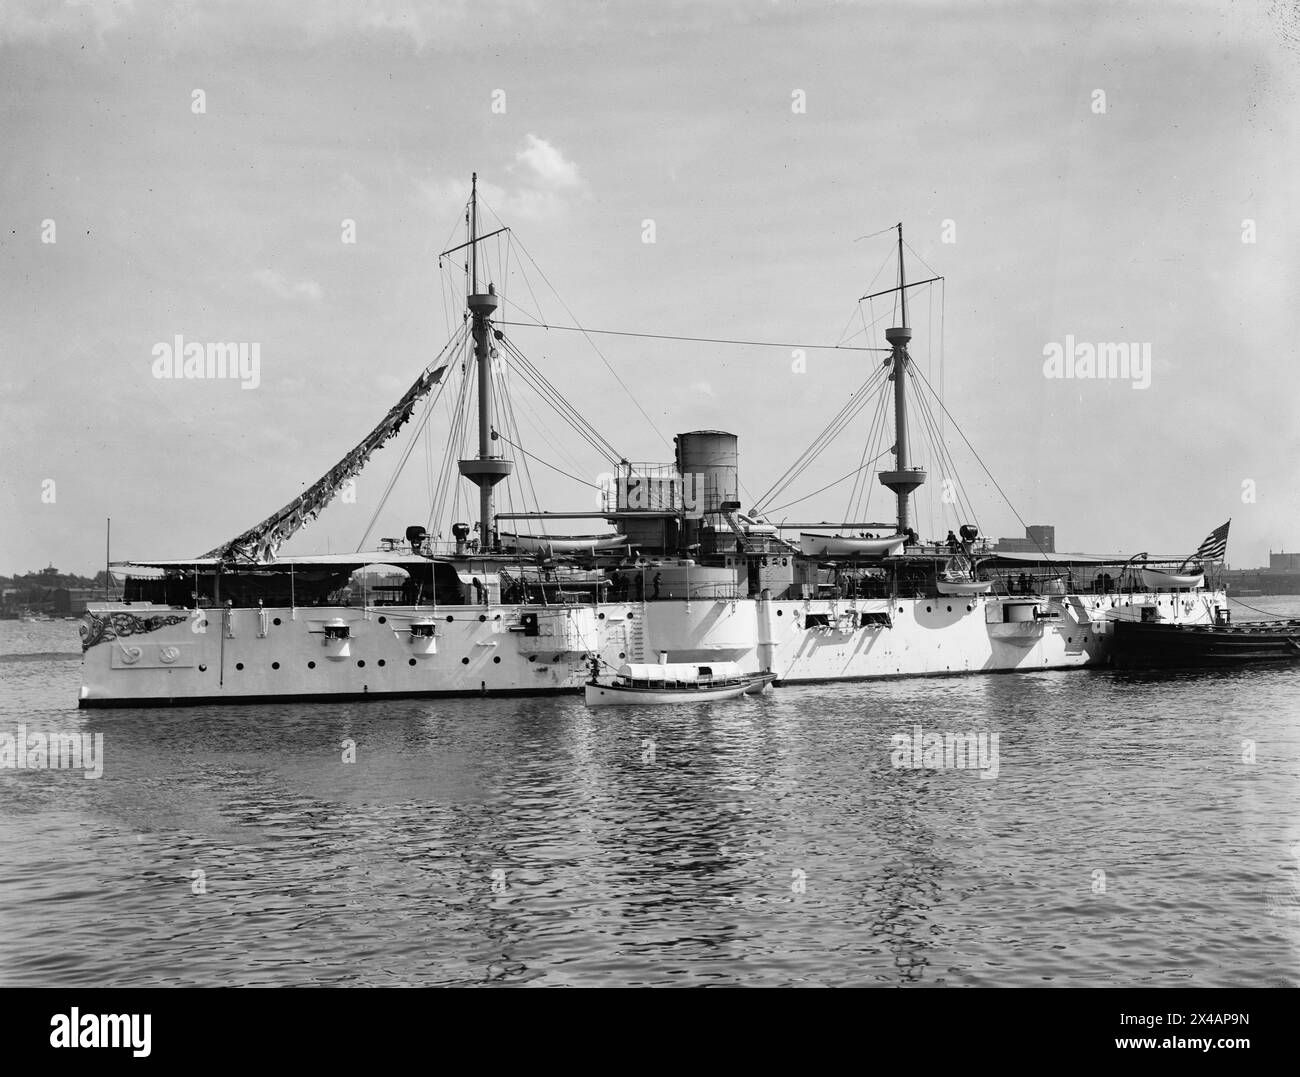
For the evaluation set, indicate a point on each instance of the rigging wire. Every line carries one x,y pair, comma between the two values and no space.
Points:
791,504
416,430
697,340
987,472
537,380
875,433
558,470
577,325
852,406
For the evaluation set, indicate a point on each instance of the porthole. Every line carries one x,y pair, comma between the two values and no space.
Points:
464,661
532,658
239,665
950,609
382,662
450,618
969,608
621,654
275,665
780,613
276,621
383,620
631,616
496,659
927,609
600,616
410,661
203,667
361,663
311,665
482,616
900,609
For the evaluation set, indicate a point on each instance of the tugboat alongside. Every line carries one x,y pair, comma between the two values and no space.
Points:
678,575
1180,646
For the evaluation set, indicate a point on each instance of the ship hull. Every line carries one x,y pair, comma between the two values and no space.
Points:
162,656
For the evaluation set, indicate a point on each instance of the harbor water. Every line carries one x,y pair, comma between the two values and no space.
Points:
1114,829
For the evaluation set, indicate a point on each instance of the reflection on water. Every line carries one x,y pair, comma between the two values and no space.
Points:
1125,840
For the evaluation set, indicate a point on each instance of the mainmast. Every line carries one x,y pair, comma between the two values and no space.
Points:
904,478
485,471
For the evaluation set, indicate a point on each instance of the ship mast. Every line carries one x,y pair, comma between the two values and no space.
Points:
904,478
485,470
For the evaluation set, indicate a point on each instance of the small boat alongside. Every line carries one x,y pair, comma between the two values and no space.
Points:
563,544
813,545
675,682
1157,580
1152,645
958,578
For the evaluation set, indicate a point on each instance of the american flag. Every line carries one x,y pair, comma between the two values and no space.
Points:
1214,547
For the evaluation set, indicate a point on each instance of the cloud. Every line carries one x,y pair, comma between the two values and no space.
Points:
702,388
44,20
274,283
548,165
545,182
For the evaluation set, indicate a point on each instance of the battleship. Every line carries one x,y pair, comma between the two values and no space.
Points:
665,569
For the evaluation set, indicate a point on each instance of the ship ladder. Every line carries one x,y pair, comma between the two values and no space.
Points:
636,635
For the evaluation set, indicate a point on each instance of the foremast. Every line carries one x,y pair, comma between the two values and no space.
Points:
484,470
904,478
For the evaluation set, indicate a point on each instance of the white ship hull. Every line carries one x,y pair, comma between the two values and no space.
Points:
485,651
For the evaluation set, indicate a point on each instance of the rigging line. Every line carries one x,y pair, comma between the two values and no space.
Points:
854,492
591,442
1266,613
945,459
872,488
873,235
416,430
607,363
957,427
889,255
965,501
509,409
790,504
946,462
551,396
865,329
446,480
881,433
854,403
943,332
544,463
561,404
556,447
920,259
862,483
529,285
696,340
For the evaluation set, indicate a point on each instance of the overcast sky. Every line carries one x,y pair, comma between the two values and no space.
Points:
1099,166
